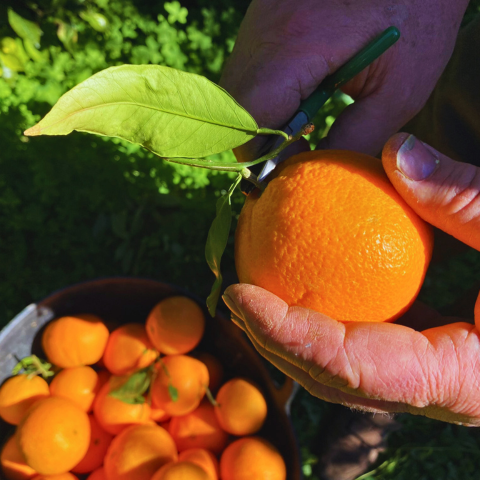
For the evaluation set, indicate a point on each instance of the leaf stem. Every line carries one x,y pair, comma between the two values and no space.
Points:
268,131
305,130
243,167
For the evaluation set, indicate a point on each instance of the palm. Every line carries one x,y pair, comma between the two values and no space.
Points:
371,366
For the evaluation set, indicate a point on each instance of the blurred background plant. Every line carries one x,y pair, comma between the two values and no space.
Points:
82,207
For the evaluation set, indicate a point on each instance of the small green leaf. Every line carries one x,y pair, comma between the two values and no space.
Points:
96,20
173,392
34,54
217,242
133,389
172,113
24,28
68,35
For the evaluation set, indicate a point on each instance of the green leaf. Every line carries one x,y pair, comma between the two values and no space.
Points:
68,35
133,389
172,392
170,112
25,28
217,242
96,20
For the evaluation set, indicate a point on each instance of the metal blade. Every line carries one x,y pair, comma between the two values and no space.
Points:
293,127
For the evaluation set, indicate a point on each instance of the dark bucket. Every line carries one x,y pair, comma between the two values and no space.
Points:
124,300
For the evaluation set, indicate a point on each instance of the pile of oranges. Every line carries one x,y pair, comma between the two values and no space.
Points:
138,403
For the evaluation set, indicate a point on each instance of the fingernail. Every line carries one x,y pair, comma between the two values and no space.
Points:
415,161
231,305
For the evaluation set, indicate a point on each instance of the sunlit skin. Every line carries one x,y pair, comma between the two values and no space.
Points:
285,49
424,364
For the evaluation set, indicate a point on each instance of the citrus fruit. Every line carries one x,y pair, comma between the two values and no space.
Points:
75,340
138,452
113,414
252,458
179,385
99,442
18,394
12,462
215,369
175,325
198,429
203,458
330,233
128,349
98,474
181,471
60,476
78,384
54,435
241,407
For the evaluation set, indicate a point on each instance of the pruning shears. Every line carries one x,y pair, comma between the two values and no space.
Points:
310,106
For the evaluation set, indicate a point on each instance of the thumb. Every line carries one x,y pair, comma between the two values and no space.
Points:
440,190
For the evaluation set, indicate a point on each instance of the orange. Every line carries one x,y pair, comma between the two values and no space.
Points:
54,435
252,458
75,341
198,429
187,375
203,458
115,415
78,384
60,476
18,394
98,474
181,471
128,349
158,415
215,369
138,452
99,442
176,325
241,408
12,462
330,233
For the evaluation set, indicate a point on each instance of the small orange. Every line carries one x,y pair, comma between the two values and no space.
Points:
78,384
176,325
99,442
252,458
98,474
75,341
12,462
138,452
18,394
203,458
241,408
215,370
113,414
181,471
128,349
198,429
60,476
158,415
54,435
330,233
187,375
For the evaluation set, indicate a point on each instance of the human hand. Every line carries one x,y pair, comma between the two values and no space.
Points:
384,367
285,49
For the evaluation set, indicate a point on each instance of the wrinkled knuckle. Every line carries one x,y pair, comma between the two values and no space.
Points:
463,193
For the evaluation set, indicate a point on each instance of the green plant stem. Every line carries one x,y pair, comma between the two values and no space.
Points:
267,131
243,167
